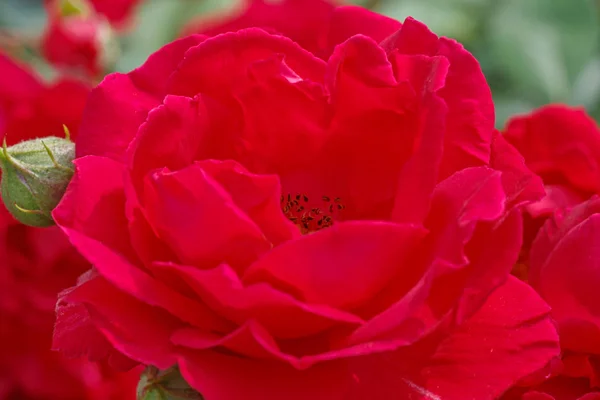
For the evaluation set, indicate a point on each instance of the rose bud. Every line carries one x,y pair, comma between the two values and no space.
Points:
35,175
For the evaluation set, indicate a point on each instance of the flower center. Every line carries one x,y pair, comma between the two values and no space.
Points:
302,212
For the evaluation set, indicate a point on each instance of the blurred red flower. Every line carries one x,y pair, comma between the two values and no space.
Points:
77,40
118,12
36,264
562,145
31,108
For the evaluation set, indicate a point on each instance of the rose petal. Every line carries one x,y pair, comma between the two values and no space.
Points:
118,106
470,121
215,66
199,220
342,266
281,314
568,280
212,373
520,184
94,204
348,21
175,134
304,21
559,143
138,330
257,195
510,337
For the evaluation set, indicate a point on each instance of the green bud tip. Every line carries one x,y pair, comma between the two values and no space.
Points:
71,8
155,384
67,132
35,176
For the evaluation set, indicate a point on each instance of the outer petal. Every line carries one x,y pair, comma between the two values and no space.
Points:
211,373
216,66
348,21
470,122
554,230
561,144
75,334
92,216
434,284
118,106
142,286
557,388
94,203
568,277
520,184
303,21
138,330
495,348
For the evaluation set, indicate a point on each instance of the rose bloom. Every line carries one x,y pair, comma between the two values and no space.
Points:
39,263
283,226
564,270
562,145
30,107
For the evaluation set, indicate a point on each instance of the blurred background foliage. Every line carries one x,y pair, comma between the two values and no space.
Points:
533,52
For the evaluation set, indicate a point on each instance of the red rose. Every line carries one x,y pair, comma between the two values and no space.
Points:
564,270
30,108
562,145
281,226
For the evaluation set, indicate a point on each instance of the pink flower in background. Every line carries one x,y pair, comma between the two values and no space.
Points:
285,226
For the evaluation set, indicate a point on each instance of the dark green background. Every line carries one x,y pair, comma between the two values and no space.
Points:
533,52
